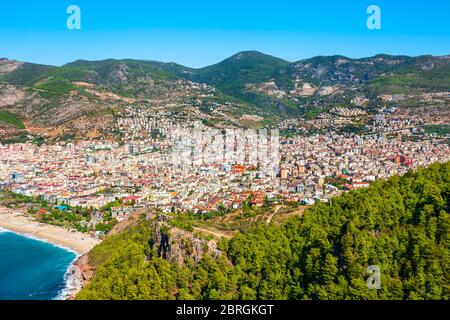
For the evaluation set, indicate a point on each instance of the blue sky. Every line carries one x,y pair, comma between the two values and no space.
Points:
198,32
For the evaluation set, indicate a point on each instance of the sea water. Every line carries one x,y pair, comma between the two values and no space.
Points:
31,269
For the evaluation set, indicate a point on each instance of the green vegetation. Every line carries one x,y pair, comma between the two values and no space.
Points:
67,73
60,215
132,69
46,212
107,226
337,182
232,74
14,200
244,67
77,218
356,128
182,222
38,141
22,137
413,79
402,225
368,77
57,86
437,129
12,119
67,136
26,73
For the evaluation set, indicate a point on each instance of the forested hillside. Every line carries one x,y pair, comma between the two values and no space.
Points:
248,83
402,225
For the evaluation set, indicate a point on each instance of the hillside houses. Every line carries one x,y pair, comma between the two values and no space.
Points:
142,172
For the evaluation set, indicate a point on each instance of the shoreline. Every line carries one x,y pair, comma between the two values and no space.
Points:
77,242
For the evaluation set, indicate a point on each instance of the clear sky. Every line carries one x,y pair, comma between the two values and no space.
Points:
199,32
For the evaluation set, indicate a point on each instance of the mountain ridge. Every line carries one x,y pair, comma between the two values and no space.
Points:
239,52
256,84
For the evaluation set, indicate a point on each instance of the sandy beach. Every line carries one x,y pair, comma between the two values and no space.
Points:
14,221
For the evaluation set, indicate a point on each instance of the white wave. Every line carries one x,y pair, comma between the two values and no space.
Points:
3,230
72,280
33,237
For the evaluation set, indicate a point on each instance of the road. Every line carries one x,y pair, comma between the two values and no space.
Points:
216,234
269,219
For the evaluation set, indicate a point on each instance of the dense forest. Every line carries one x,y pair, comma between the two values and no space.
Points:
401,225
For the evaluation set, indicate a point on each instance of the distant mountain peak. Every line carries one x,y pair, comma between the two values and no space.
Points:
243,67
247,54
252,54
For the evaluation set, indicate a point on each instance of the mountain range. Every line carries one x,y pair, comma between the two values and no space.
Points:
39,97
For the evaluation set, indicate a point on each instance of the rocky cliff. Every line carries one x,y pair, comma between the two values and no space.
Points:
179,246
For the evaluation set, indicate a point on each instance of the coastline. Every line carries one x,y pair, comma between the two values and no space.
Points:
79,272
16,222
78,276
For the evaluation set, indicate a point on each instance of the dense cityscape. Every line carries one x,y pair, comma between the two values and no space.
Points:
143,171
225,151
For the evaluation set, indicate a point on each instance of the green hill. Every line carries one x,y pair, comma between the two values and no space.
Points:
27,73
426,74
401,225
332,70
104,72
121,70
241,68
237,81
12,119
372,76
232,75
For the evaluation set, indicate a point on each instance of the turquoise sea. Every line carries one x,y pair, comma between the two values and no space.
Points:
32,269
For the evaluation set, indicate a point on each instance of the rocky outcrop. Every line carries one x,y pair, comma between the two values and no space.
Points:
120,74
10,95
7,66
80,274
179,246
